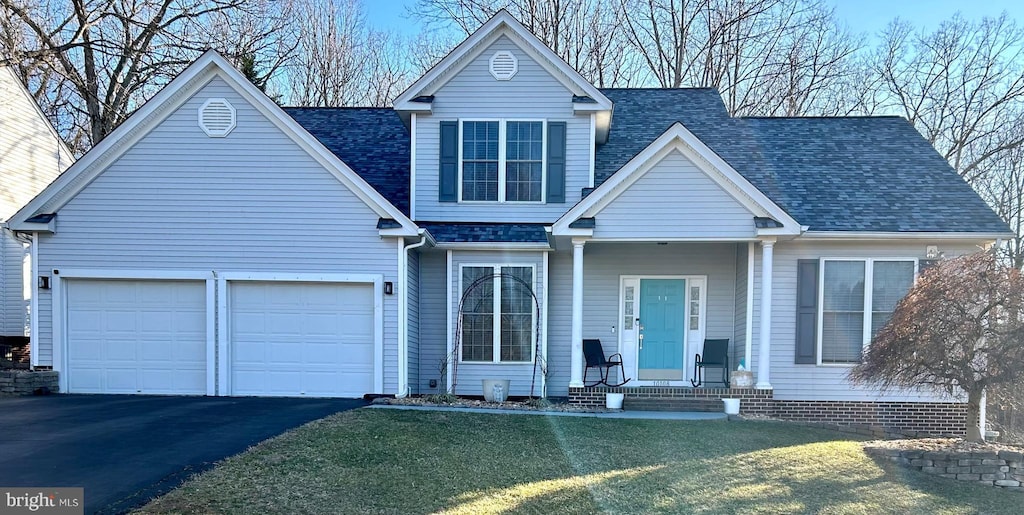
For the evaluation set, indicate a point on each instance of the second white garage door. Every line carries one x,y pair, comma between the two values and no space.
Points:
301,339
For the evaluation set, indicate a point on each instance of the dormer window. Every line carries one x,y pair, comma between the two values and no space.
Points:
502,160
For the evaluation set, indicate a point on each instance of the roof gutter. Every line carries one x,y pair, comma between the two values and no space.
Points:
869,235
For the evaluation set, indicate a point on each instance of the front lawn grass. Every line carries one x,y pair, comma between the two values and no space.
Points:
390,461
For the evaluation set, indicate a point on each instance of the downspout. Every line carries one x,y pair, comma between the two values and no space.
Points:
403,314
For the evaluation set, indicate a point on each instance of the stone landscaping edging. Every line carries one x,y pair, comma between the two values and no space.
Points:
28,382
1004,469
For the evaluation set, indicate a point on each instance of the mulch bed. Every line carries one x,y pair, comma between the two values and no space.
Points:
461,402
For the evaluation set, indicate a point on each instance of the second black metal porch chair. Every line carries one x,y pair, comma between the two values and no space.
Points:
716,355
594,353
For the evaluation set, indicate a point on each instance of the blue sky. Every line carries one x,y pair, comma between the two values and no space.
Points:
867,16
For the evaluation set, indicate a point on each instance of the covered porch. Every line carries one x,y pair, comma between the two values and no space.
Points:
656,304
669,252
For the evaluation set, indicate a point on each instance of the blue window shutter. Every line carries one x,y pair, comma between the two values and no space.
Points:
448,187
556,162
807,312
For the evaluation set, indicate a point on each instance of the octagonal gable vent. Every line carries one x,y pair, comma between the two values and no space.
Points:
504,65
217,117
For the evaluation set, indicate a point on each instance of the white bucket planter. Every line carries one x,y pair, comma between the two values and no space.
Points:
732,406
614,400
495,390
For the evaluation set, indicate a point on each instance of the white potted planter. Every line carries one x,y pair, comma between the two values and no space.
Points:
732,406
495,390
614,400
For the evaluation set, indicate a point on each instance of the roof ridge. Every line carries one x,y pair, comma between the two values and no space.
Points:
824,117
701,88
341,108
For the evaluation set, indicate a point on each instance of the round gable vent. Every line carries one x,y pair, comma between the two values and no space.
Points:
504,65
217,117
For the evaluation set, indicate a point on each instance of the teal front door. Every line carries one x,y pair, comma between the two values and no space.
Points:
662,318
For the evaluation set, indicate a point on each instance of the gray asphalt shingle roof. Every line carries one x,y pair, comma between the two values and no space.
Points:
831,174
460,232
372,141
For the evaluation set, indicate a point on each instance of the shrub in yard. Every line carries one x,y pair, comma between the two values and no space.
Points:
959,330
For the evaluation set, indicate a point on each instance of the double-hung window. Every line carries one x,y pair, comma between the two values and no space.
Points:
502,161
857,297
498,313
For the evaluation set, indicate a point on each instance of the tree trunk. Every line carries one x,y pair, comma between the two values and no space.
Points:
974,397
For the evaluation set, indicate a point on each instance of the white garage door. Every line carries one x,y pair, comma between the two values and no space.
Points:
301,339
136,336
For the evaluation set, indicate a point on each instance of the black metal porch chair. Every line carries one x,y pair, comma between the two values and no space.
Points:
594,353
716,355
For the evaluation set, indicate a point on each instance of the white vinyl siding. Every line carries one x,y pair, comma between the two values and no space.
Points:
251,201
533,94
433,339
560,321
674,199
413,321
471,373
32,155
738,346
13,301
814,382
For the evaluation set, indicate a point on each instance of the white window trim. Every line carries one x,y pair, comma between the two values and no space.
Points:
502,149
496,329
869,269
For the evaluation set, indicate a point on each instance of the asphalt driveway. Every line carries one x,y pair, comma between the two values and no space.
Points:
127,449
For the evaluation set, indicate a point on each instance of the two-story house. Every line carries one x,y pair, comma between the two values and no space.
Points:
504,211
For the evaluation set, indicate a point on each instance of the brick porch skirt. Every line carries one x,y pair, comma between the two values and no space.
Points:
906,418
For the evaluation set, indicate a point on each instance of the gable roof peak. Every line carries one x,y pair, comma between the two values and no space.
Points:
502,23
171,97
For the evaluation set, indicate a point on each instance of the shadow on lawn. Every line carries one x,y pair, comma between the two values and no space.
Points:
751,467
417,462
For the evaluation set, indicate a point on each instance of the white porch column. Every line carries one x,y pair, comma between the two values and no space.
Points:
764,349
576,365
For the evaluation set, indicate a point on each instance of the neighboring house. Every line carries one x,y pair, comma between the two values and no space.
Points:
218,244
31,155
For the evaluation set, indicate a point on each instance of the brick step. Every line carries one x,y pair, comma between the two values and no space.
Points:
653,404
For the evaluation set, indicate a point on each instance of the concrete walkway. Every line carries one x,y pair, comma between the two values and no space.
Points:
631,415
